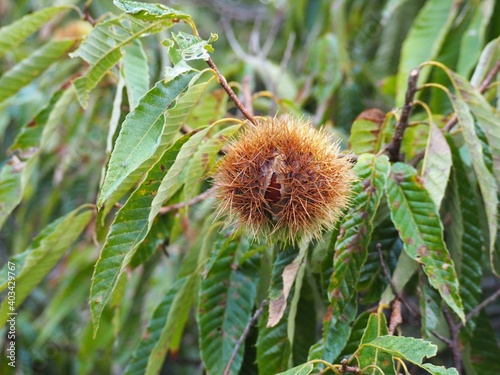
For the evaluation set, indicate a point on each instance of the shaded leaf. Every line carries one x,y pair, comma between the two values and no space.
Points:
485,178
471,237
225,305
32,67
473,38
424,41
355,230
417,221
42,255
14,34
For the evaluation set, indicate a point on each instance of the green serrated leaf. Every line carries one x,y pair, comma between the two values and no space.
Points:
102,48
174,118
355,231
204,159
486,180
366,131
418,223
141,132
150,12
471,237
170,182
273,346
424,40
14,34
304,369
407,348
32,67
42,255
135,71
127,231
480,356
376,327
225,305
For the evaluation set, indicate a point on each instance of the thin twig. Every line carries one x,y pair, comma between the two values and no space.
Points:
206,194
482,88
418,157
244,335
479,307
231,93
394,147
444,339
454,342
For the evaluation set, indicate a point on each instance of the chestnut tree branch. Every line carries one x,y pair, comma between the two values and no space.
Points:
230,92
394,147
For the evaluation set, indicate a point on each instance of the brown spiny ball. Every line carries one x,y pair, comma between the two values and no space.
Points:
283,179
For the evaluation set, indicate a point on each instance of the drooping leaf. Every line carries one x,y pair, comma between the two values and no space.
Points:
424,40
14,34
32,67
486,180
366,135
405,269
471,237
355,231
412,350
284,277
225,305
135,70
170,182
437,164
418,223
376,327
174,118
128,230
42,255
16,174
141,132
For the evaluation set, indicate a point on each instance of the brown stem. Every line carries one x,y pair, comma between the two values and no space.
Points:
394,147
454,341
231,93
479,307
243,336
206,194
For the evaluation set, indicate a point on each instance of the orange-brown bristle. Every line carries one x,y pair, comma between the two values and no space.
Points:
283,179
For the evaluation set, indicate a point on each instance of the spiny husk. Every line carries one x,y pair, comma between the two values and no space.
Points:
283,180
